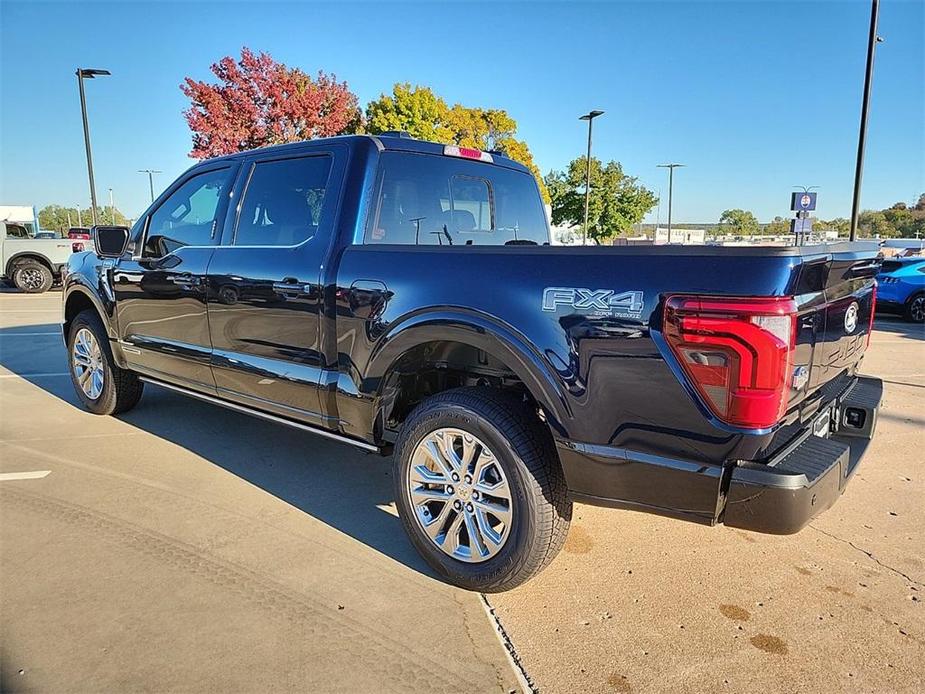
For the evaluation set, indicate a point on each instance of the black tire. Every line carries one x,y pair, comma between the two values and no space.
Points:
121,389
524,447
914,310
32,277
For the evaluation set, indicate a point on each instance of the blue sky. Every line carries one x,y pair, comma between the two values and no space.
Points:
755,97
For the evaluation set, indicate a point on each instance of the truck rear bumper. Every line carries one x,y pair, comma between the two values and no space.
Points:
783,495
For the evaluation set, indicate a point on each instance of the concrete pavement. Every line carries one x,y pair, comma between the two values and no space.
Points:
184,547
637,603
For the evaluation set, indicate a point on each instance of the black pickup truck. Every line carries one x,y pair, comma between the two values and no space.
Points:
402,296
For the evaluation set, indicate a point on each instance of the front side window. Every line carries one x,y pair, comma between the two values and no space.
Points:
187,217
438,200
283,202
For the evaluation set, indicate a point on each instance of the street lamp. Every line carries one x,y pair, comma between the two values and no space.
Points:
112,208
590,116
671,168
150,173
872,42
82,74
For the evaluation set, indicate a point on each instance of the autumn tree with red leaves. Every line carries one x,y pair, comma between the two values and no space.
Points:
260,102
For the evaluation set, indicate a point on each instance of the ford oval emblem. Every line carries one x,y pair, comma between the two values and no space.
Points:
851,318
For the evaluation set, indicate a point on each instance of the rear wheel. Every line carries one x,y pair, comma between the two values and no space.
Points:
479,489
101,385
32,277
915,308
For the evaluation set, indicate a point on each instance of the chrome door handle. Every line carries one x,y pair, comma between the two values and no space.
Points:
292,288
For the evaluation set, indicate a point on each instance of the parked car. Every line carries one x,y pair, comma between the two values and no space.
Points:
31,264
79,233
401,296
901,287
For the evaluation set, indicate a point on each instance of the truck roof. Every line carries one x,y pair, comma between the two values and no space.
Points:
390,142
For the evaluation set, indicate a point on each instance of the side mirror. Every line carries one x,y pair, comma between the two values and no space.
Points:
110,241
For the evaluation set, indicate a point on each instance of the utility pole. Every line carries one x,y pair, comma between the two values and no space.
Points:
82,74
79,220
112,209
671,168
872,41
590,116
150,173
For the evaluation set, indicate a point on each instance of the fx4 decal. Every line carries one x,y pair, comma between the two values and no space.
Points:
598,301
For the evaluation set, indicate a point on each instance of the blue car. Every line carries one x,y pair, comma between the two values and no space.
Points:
901,288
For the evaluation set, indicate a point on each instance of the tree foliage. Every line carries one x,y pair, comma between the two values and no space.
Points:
617,201
425,115
55,217
258,101
738,222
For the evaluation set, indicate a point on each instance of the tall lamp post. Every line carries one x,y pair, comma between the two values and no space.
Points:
671,168
872,42
150,173
590,116
82,74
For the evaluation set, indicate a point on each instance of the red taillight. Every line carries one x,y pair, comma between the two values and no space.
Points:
736,353
873,308
467,153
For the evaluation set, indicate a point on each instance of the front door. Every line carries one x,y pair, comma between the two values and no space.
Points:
265,298
160,288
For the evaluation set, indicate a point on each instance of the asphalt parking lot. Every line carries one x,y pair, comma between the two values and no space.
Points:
184,547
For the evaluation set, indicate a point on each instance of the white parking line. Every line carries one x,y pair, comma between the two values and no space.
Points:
46,375
35,475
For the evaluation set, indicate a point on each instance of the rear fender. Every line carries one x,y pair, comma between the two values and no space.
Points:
480,332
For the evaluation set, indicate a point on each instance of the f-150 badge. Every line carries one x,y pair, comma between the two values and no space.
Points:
600,302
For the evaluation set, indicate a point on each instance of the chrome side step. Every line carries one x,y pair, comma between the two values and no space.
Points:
262,415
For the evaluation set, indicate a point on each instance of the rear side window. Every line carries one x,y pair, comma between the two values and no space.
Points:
283,202
436,200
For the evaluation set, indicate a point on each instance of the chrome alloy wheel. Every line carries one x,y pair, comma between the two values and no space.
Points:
917,309
460,496
30,278
87,363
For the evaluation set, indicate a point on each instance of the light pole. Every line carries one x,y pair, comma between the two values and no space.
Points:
79,220
112,209
590,116
872,42
150,173
671,168
82,74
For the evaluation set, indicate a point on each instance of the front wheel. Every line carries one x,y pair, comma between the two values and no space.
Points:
915,309
480,490
101,385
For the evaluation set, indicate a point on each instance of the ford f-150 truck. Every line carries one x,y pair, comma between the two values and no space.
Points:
31,264
401,296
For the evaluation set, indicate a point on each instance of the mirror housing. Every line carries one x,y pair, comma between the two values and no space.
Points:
110,241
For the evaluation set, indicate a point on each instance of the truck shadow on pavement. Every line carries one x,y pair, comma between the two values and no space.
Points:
344,488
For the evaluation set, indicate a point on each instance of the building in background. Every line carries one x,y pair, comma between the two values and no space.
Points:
688,237
23,215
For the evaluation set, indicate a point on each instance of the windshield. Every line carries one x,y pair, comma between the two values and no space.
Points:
437,200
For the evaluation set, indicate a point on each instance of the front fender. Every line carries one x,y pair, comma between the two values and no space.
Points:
87,281
479,331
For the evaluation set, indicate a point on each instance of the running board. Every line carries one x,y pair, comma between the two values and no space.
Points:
262,415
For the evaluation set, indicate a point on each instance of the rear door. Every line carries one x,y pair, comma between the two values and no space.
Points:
265,297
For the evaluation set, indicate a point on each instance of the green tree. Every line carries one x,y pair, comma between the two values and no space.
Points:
777,227
874,223
423,114
738,222
617,201
58,218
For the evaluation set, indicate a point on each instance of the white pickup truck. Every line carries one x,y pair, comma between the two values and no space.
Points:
31,264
